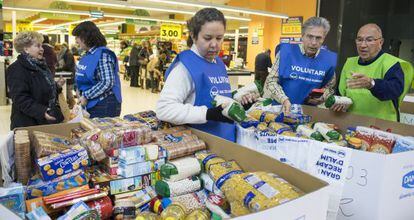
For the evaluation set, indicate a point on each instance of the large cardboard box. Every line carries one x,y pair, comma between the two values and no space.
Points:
407,111
377,186
313,205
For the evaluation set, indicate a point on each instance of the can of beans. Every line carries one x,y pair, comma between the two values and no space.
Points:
103,206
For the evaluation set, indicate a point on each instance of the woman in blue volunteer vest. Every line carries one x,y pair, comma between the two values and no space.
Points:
300,68
97,76
196,76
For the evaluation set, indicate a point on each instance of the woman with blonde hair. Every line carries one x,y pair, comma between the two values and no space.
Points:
32,88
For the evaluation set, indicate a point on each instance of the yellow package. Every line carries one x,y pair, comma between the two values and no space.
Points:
207,158
279,128
259,190
221,172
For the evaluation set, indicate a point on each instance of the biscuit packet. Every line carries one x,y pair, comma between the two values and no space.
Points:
37,187
366,135
382,142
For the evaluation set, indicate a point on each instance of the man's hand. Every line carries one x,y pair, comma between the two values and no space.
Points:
338,108
286,106
359,81
316,101
249,98
61,81
49,118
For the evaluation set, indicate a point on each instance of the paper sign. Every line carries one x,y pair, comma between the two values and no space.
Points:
171,31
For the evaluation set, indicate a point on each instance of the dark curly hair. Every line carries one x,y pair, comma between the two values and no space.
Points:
90,34
200,18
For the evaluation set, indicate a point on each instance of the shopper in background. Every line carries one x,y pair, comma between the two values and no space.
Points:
143,59
261,65
375,81
97,76
66,62
31,85
300,68
49,55
124,57
134,64
197,75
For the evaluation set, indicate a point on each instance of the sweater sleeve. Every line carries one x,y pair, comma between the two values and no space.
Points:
176,102
392,86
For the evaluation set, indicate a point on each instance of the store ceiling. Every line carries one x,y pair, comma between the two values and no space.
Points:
119,7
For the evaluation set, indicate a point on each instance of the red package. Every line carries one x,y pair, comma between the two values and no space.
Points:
382,142
103,206
366,135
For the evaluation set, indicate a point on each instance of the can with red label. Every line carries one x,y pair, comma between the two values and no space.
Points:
103,206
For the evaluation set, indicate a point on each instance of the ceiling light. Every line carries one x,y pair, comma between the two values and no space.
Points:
67,24
223,8
244,27
107,15
38,20
161,9
110,24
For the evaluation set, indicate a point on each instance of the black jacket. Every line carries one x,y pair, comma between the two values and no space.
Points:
30,94
50,57
68,66
134,56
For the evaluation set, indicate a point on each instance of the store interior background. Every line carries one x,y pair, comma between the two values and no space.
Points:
346,16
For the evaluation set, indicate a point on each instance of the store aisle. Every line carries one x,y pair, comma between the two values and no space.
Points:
134,100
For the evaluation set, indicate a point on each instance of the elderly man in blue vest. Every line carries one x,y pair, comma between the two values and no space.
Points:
301,68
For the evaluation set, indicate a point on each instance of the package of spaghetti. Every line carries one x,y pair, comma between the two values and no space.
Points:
207,158
258,191
264,116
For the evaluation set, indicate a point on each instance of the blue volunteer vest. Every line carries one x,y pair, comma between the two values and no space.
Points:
209,79
85,74
299,74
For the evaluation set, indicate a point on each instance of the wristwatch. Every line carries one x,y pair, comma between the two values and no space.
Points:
372,83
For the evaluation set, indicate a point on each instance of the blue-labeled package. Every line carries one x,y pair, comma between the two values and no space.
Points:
141,153
38,187
13,199
136,169
38,214
64,162
403,144
76,210
118,186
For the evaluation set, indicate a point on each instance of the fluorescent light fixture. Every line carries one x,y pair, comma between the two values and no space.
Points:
222,8
160,9
38,20
107,15
54,27
110,24
244,27
46,10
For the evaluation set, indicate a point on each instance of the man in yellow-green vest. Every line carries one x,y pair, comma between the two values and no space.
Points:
375,81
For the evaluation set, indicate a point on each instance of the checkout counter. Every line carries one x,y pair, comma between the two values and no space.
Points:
239,77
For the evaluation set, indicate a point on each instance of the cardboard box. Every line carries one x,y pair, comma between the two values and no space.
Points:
313,205
377,186
407,111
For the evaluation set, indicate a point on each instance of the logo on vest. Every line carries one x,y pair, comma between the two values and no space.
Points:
408,180
81,67
214,91
308,70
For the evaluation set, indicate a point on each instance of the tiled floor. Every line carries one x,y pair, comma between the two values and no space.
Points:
134,100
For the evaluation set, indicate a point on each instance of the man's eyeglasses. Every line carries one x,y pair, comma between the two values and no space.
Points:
368,40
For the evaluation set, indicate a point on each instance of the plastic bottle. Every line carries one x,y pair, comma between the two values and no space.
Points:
254,87
333,99
198,214
147,216
309,132
231,108
175,211
327,132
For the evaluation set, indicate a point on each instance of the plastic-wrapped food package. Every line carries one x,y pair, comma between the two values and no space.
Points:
146,117
222,172
309,132
232,109
190,201
264,116
89,140
46,144
294,119
181,187
180,146
403,144
366,135
249,121
22,155
180,169
258,191
207,158
329,133
13,198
